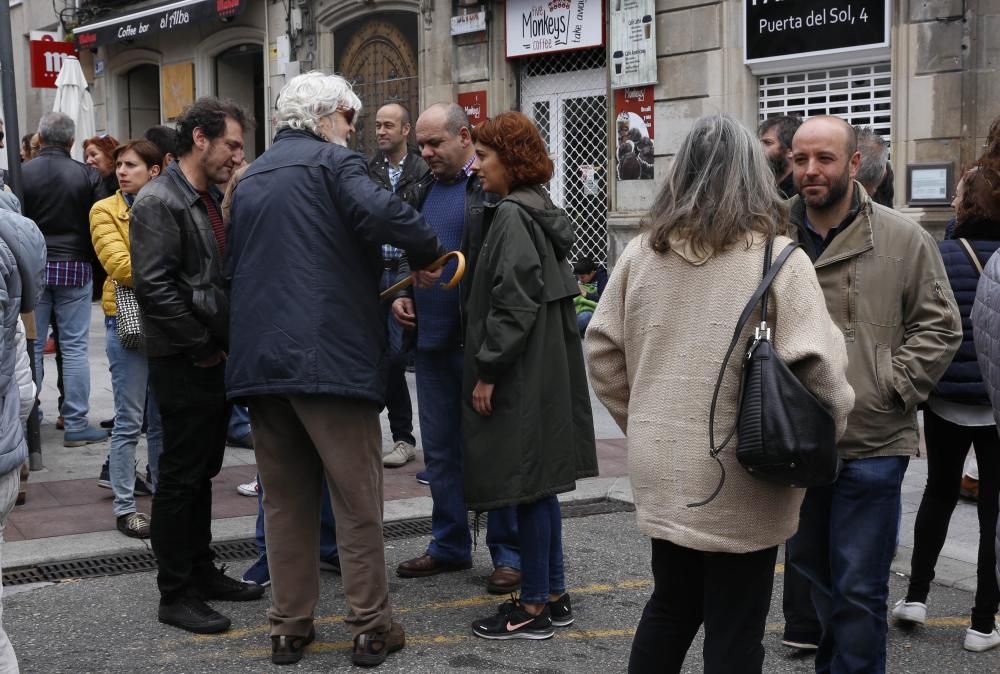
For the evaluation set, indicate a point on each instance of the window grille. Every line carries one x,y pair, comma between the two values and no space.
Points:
861,95
566,96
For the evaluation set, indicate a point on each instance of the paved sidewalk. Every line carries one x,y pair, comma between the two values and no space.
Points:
68,516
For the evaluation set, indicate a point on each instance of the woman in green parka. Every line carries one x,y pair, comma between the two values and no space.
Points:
529,432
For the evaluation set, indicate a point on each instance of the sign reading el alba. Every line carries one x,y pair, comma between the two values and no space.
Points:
788,28
546,26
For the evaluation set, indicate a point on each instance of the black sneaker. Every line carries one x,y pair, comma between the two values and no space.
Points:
104,479
562,611
141,488
287,650
515,623
193,615
217,585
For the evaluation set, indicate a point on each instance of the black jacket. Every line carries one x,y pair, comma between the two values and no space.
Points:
177,269
962,382
58,194
415,172
305,262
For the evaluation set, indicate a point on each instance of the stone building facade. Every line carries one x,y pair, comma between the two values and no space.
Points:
932,89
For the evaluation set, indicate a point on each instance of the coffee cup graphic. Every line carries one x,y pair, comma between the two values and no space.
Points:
647,25
618,57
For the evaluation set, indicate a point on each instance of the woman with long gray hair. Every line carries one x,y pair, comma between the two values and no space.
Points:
654,349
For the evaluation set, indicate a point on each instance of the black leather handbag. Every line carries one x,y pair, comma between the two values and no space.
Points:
786,436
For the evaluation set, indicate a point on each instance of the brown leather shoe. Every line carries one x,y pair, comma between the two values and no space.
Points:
504,580
425,565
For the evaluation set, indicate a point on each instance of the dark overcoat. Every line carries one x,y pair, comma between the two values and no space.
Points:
522,336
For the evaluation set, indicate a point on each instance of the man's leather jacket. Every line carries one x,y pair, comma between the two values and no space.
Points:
177,269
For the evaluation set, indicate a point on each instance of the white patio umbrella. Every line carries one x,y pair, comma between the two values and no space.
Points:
73,99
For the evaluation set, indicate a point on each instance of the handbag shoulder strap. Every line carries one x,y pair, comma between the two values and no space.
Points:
971,254
759,295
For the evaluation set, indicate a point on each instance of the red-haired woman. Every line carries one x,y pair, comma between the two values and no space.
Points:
98,151
529,433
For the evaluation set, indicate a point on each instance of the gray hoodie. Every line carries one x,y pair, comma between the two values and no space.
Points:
22,269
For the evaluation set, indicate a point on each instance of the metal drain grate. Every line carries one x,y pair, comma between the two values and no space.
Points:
134,562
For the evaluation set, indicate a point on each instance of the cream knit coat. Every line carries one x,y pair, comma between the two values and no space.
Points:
654,349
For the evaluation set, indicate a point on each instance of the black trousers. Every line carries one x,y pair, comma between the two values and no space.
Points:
195,418
729,593
947,446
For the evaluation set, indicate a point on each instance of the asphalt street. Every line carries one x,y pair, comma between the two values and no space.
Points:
108,625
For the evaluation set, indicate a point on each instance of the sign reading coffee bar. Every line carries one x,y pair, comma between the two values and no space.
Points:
144,22
779,30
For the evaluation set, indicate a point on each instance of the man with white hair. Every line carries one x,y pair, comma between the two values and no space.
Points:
309,356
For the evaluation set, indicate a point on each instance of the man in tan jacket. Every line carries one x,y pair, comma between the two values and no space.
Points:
886,288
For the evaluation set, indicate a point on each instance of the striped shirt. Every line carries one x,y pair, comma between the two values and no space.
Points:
215,217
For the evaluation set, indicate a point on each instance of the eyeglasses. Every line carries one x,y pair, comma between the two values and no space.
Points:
348,114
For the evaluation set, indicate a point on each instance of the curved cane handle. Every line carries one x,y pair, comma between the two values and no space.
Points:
389,292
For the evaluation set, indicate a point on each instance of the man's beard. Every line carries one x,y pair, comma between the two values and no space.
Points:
779,165
834,193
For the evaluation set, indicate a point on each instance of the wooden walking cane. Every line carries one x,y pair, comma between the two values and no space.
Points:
434,266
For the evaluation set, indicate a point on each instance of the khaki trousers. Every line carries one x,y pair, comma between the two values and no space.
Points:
297,439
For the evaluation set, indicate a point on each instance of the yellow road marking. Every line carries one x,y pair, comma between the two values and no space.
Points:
466,602
454,603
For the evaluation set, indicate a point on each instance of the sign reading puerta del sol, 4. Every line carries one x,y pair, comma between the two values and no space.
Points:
546,26
783,29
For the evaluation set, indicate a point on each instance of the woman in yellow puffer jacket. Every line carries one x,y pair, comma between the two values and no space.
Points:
136,163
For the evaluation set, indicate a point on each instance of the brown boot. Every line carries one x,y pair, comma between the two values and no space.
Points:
371,648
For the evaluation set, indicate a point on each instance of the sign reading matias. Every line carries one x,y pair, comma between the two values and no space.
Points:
545,26
781,29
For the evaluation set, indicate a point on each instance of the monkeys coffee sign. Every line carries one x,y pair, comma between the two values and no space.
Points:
784,29
545,26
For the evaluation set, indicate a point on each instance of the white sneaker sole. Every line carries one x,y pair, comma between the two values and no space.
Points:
537,636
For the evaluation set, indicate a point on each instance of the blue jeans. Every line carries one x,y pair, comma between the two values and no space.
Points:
129,381
583,320
327,525
69,308
539,527
239,422
439,390
844,546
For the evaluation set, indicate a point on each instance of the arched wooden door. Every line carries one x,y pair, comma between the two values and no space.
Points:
382,65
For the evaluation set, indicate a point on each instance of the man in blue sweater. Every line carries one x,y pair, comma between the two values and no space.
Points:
453,207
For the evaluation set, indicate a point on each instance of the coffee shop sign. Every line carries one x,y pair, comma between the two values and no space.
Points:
130,31
540,27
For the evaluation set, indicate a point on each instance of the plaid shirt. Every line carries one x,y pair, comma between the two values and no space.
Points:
68,273
391,253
